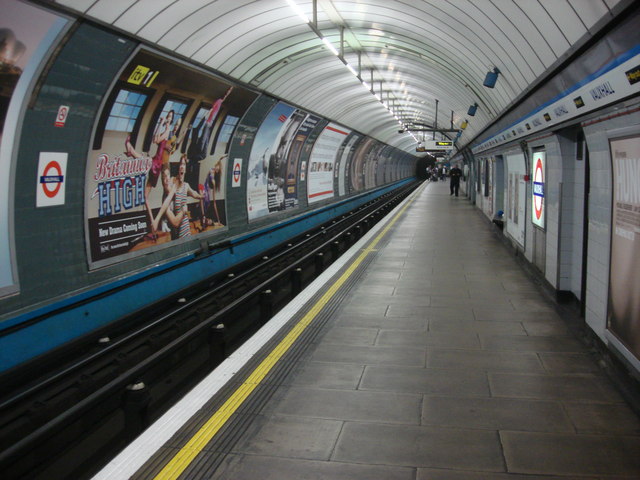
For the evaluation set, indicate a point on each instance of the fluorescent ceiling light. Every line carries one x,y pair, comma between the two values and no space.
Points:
298,10
330,46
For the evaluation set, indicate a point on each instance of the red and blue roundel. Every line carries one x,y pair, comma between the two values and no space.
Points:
538,189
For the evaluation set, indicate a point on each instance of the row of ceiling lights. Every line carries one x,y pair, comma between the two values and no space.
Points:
334,50
489,81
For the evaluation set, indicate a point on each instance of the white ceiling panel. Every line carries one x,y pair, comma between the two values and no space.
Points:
109,12
419,52
590,12
140,13
527,25
567,20
259,37
210,34
262,59
78,5
168,22
540,17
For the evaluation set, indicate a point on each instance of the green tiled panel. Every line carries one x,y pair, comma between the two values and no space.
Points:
50,241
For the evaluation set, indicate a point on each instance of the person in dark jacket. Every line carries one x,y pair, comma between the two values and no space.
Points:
454,184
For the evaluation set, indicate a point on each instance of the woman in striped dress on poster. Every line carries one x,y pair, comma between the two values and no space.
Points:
176,200
183,190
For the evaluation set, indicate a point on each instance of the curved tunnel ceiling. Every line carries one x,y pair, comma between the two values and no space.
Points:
421,58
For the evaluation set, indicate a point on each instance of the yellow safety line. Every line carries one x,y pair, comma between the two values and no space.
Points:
194,446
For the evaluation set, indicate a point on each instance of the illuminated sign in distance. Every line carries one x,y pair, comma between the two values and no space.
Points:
438,145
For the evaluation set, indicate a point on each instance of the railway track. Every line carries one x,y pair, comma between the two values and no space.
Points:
65,416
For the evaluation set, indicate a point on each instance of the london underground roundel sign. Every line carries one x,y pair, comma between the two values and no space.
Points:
51,179
538,189
236,173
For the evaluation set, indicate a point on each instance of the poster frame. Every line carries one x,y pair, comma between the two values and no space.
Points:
629,347
194,99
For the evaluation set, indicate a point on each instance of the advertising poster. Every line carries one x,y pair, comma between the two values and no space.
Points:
538,189
298,145
624,282
322,162
371,165
156,172
26,34
386,167
345,159
358,164
276,149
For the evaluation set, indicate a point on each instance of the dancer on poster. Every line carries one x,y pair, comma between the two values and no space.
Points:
209,215
200,137
165,136
177,200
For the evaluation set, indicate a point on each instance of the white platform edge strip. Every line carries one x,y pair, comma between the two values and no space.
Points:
134,456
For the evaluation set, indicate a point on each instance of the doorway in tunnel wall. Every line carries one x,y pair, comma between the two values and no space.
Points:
574,215
516,197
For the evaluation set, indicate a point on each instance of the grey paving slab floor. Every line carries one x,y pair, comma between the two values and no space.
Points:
445,362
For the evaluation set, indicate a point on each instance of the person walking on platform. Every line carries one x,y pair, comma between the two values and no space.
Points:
454,184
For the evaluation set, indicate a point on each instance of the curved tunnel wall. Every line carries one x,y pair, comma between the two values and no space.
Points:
563,168
581,250
264,169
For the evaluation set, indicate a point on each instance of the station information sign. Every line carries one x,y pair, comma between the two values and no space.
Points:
438,145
